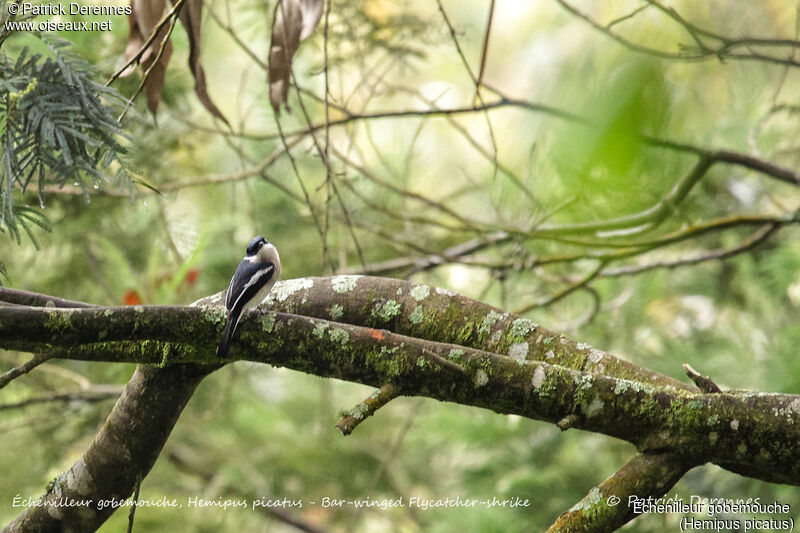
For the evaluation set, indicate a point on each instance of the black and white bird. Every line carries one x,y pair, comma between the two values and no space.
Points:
254,277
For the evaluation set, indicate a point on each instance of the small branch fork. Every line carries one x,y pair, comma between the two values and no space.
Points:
387,393
367,408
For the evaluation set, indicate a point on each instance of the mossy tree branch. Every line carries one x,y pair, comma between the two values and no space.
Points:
379,331
605,507
121,454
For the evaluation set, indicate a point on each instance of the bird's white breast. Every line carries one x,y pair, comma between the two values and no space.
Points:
267,254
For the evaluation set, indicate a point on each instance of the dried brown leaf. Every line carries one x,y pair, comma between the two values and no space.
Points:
143,20
156,77
191,16
145,16
295,20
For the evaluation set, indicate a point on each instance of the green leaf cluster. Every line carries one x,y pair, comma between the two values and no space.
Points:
57,125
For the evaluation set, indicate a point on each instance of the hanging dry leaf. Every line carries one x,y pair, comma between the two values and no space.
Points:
295,21
144,17
143,20
191,16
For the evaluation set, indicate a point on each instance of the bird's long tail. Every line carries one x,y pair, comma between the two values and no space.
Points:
227,335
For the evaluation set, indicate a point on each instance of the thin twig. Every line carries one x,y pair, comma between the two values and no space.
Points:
160,26
132,513
467,223
321,227
566,291
238,40
751,242
94,393
325,155
24,368
183,460
484,50
725,49
629,16
472,76
161,48
588,316
387,460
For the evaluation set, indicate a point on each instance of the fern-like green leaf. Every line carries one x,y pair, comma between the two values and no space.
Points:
57,127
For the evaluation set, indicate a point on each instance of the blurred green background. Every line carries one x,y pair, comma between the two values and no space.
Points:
252,430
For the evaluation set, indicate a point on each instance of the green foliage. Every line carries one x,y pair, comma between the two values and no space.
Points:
56,126
604,166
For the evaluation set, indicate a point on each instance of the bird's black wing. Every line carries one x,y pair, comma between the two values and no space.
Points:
246,282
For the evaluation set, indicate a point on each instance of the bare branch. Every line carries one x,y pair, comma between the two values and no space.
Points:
122,453
24,368
566,291
367,408
93,393
20,297
485,48
757,238
724,50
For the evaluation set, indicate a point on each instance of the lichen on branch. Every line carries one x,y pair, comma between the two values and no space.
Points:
431,342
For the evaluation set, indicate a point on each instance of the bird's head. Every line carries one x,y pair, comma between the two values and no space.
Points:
261,250
255,245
